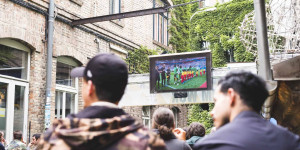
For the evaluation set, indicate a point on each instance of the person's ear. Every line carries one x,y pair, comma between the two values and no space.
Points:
91,87
232,96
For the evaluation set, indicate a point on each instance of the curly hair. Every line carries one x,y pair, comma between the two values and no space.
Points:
195,129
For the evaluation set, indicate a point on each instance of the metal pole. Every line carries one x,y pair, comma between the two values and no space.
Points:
49,63
264,69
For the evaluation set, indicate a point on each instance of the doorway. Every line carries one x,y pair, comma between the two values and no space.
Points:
13,107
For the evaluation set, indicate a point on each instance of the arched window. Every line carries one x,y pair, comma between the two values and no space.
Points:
175,112
66,95
14,87
14,59
146,116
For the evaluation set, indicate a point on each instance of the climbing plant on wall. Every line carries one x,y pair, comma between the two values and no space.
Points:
220,28
138,60
179,28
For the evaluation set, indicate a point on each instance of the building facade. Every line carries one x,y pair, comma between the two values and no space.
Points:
23,53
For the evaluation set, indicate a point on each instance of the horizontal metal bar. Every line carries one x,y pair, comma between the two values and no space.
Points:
120,15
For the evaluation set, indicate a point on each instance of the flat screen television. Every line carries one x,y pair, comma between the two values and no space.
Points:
180,72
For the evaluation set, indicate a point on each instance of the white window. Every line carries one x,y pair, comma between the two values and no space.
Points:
14,87
160,28
175,112
66,95
146,116
114,6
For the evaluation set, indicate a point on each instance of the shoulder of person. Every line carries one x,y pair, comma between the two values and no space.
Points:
154,142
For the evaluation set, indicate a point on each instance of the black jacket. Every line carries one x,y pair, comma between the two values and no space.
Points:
1,147
249,131
175,144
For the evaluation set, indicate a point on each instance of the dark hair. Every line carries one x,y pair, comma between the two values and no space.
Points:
163,120
195,129
17,135
251,88
109,74
111,91
36,136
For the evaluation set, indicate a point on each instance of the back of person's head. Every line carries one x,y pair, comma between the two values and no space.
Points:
195,129
1,134
36,136
17,135
163,120
108,73
251,88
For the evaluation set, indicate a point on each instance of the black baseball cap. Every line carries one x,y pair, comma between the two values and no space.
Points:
104,69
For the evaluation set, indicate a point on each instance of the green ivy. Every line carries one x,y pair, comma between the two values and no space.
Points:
220,29
197,114
180,27
138,60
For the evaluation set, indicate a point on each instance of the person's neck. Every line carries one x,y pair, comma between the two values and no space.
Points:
237,110
105,103
93,101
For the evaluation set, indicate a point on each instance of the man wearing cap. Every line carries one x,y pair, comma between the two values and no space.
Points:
101,124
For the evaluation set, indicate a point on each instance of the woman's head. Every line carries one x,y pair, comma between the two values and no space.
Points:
1,135
195,129
163,120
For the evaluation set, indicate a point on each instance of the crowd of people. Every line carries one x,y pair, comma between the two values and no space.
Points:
17,143
103,125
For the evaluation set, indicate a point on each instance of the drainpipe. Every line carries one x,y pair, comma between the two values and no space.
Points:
264,67
49,63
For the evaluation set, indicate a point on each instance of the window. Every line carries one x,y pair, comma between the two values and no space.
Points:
13,62
64,104
114,6
160,28
146,116
175,112
14,87
63,72
66,95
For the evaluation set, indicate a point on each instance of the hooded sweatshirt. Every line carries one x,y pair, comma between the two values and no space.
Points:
100,127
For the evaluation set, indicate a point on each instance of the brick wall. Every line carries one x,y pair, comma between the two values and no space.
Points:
29,28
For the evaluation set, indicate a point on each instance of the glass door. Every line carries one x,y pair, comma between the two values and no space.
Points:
13,107
3,102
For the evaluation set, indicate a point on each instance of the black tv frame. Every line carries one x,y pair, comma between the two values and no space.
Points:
207,54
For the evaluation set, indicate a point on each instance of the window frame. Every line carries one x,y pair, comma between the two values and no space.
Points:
112,7
67,89
19,46
160,28
146,117
175,111
12,83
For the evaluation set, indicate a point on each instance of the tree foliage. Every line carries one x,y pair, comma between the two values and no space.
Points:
220,28
197,114
138,60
